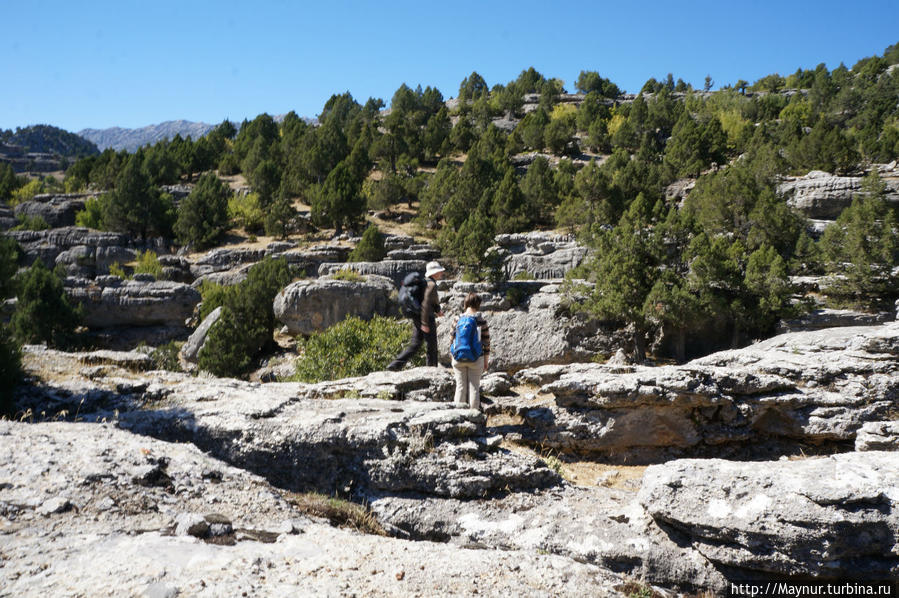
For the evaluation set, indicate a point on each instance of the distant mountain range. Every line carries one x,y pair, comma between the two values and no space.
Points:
118,138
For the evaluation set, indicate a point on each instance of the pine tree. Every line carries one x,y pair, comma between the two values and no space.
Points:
203,215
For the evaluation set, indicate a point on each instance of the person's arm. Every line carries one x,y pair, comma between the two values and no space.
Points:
427,306
485,341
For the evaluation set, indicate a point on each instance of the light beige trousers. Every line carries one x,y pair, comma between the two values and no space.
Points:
468,382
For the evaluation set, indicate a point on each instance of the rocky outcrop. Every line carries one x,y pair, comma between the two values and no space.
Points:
57,210
47,245
530,325
164,519
110,301
223,258
540,255
823,196
790,393
824,518
309,306
190,350
85,261
229,265
833,318
395,270
878,436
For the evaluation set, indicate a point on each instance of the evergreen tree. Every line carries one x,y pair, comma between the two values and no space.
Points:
340,201
370,247
135,206
203,215
509,205
43,312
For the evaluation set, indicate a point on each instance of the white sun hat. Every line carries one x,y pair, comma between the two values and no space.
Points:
433,268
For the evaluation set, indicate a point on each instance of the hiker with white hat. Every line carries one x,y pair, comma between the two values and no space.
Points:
424,324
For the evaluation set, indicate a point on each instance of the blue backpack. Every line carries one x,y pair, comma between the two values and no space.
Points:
467,345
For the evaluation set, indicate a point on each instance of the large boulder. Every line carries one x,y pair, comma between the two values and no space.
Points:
540,255
395,270
308,306
190,350
110,301
530,325
791,393
57,210
86,261
821,518
821,195
47,245
833,318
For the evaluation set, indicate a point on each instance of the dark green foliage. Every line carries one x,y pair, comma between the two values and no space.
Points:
9,182
35,222
278,218
247,320
509,205
472,87
136,206
541,195
353,347
9,258
862,248
694,146
10,369
203,215
370,247
43,312
50,140
590,81
339,202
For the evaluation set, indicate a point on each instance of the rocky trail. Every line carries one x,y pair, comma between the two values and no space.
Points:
184,485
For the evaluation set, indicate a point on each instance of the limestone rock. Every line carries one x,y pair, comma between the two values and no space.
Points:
309,306
832,318
110,301
540,255
830,518
395,270
57,210
190,350
878,436
47,245
529,325
821,195
223,258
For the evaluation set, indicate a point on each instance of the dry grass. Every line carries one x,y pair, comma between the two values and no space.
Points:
339,512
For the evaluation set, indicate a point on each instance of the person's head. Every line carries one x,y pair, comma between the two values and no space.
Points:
434,270
472,300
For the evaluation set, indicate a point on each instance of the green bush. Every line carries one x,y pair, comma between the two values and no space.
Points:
116,269
148,263
43,312
353,347
213,295
203,215
10,369
35,222
92,214
246,213
348,275
247,320
370,247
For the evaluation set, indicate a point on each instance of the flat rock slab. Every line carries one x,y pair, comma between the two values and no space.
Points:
73,521
829,518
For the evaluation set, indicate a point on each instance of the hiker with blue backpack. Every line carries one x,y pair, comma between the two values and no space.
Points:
419,301
470,349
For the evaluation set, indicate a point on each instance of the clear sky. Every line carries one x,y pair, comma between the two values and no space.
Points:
97,64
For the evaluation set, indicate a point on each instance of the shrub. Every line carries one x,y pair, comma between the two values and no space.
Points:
10,369
27,192
247,320
348,275
213,295
43,312
148,263
370,247
92,214
246,212
165,357
116,269
353,347
35,222
9,258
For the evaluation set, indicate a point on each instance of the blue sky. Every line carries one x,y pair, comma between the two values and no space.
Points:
98,64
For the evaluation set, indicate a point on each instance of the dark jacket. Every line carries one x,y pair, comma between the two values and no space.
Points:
430,304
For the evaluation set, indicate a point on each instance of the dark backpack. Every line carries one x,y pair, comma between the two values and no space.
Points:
411,294
467,344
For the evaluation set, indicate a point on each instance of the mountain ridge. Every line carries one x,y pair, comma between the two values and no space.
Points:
120,138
